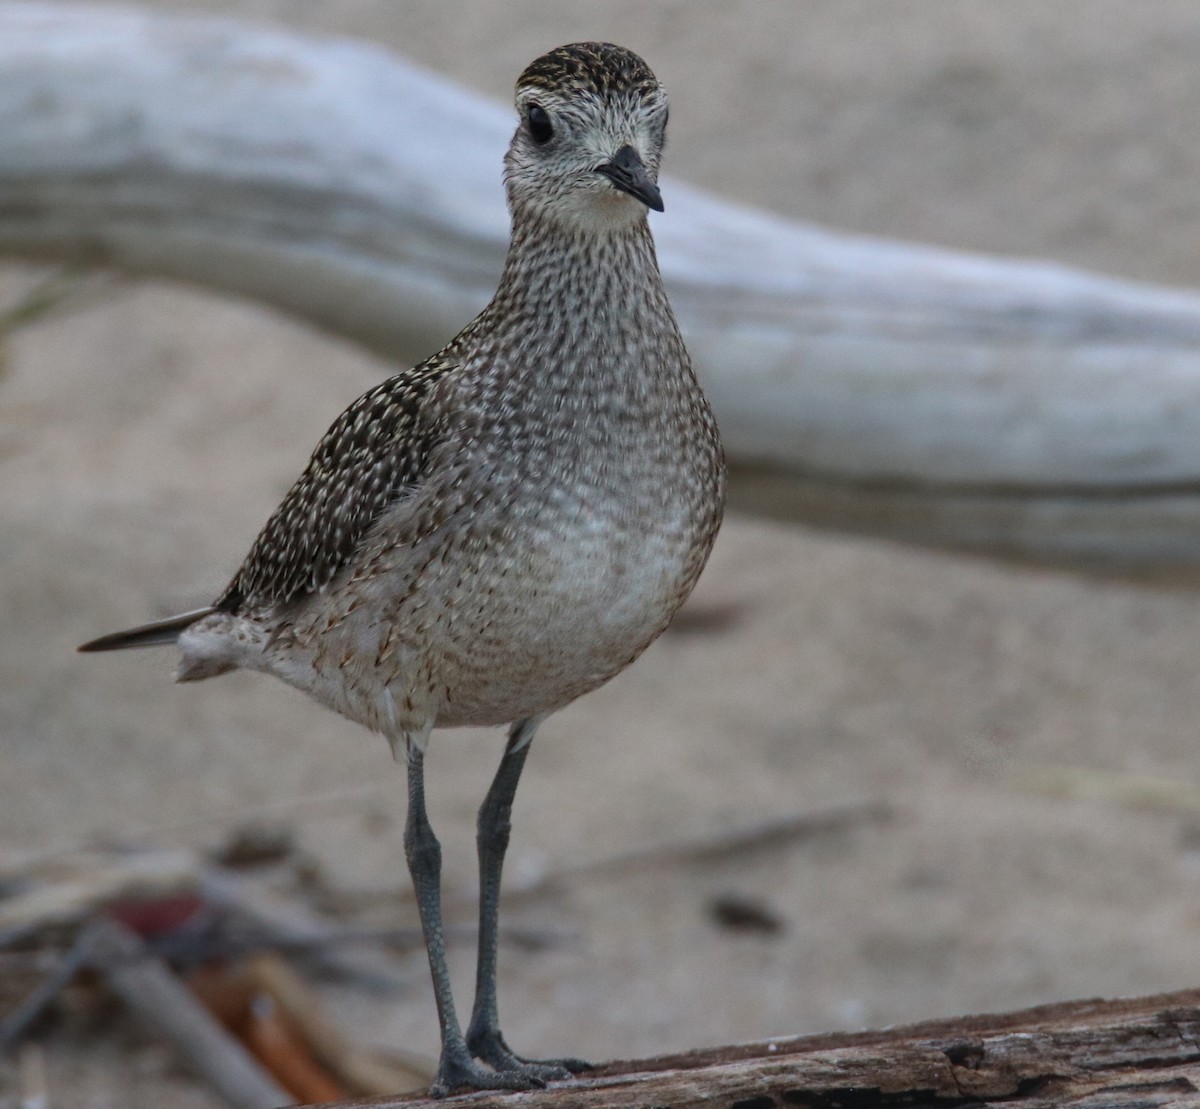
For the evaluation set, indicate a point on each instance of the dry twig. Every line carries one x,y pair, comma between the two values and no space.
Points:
1137,791
148,989
290,923
716,847
18,1022
358,1069
35,1086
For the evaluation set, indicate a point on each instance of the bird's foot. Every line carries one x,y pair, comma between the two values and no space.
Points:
463,1073
489,1046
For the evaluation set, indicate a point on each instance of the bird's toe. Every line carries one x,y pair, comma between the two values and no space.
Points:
490,1048
468,1075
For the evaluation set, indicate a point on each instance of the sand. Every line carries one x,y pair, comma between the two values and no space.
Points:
143,441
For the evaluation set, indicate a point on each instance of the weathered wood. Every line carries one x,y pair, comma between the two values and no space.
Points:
360,1071
1139,1053
1008,407
77,887
290,923
146,985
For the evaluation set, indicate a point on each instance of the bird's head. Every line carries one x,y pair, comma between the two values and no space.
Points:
593,122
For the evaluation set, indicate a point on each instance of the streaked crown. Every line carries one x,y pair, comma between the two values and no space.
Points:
598,68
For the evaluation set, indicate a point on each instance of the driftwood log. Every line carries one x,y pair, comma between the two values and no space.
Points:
1000,406
1140,1053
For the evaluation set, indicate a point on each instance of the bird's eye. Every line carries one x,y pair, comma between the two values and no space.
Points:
539,123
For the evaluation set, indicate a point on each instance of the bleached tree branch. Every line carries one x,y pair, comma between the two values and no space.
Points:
995,405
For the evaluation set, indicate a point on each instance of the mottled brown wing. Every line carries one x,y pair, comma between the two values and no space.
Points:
374,454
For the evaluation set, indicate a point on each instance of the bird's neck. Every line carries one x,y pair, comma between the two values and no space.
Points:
607,272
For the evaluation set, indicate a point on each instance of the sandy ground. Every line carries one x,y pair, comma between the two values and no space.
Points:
143,441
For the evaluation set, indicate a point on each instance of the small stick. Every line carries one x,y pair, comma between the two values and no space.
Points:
300,1006
35,1088
233,942
15,1025
285,1055
715,848
1140,791
68,287
294,924
147,986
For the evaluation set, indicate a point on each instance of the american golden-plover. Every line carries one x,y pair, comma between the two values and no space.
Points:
489,535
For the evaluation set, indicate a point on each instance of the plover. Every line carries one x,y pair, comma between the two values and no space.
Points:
489,535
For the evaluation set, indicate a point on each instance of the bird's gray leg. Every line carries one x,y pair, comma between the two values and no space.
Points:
494,825
456,1067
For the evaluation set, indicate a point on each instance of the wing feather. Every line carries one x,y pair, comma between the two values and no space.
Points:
374,454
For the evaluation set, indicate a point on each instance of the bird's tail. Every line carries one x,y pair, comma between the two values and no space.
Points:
148,635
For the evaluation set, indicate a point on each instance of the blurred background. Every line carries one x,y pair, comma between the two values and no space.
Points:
145,438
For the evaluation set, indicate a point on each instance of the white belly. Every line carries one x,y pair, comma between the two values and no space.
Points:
582,612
